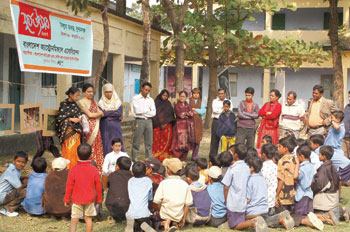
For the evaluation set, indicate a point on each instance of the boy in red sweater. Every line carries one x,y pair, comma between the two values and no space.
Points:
82,185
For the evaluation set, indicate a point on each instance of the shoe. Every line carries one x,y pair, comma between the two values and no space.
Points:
287,220
317,223
7,213
260,225
129,225
147,228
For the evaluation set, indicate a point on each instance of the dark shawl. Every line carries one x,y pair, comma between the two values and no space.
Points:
67,110
164,112
197,118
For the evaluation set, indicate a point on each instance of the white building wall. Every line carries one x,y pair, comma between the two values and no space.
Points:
129,82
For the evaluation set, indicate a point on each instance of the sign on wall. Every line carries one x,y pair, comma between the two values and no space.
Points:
51,42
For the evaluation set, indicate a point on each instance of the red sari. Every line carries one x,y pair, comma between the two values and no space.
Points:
183,133
269,124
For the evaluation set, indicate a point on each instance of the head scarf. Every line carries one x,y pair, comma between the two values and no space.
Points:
164,109
109,104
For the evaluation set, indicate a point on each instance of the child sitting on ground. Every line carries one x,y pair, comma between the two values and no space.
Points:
226,161
140,193
54,189
214,160
117,200
200,211
35,188
174,196
227,126
202,164
315,143
265,140
111,158
83,184
216,193
269,172
12,185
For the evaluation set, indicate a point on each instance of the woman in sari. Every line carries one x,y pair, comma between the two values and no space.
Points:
112,109
162,126
68,126
270,114
199,110
94,114
183,133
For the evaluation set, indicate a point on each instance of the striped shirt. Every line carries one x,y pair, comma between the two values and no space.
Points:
291,117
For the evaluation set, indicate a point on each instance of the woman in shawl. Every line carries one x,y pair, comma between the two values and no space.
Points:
270,114
162,126
94,114
199,110
68,126
183,133
112,109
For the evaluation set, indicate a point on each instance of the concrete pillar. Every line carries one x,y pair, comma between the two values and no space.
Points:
118,74
345,81
195,76
64,82
266,91
346,15
154,78
268,21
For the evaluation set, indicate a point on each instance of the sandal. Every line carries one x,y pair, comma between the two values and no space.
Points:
260,225
315,221
147,228
287,220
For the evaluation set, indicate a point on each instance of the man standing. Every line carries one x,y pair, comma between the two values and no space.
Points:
346,140
248,112
217,107
319,112
292,116
143,109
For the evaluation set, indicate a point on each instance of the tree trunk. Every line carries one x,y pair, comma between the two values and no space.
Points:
179,66
103,60
336,54
146,44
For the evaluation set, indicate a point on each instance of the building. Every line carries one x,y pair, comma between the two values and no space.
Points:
310,22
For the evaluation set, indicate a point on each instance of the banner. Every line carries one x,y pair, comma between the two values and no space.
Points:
51,42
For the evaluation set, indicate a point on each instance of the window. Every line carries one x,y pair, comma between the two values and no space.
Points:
279,21
233,84
48,80
326,18
78,81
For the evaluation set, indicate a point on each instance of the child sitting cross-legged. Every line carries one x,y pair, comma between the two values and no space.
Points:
111,158
202,164
35,187
12,189
200,211
226,160
117,200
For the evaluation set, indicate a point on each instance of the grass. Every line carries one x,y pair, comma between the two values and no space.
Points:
27,223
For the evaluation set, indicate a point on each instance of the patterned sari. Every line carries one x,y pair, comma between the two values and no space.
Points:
69,133
93,138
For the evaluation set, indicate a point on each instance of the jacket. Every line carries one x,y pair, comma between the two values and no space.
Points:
227,125
245,119
327,107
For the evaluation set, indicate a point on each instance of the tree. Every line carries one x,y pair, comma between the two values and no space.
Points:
215,38
82,5
146,43
333,34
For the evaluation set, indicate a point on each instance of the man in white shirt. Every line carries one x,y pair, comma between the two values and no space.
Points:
143,109
217,107
292,116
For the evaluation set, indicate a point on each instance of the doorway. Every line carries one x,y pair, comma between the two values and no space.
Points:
15,76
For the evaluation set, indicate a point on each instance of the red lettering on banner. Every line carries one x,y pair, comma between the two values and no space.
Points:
34,22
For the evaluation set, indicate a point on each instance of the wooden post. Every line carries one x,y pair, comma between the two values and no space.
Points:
266,91
118,74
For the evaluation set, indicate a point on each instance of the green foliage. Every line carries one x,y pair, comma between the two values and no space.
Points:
78,5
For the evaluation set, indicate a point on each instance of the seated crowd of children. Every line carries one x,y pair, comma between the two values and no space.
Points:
295,183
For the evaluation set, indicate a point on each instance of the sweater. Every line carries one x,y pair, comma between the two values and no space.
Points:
83,183
246,119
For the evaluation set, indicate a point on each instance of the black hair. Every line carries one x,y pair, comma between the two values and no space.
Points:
317,139
294,94
124,163
327,151
251,154
39,165
196,90
277,93
139,169
305,151
301,142
267,138
163,92
226,159
221,89
202,163
249,90
227,102
86,86
256,164
146,83
219,179
84,151
192,173
72,90
215,160
288,142
319,88
269,150
241,150
338,114
276,157
21,154
117,140
189,165
183,91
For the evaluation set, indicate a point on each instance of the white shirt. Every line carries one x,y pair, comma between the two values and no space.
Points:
290,117
315,159
143,107
269,172
111,160
218,107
